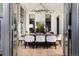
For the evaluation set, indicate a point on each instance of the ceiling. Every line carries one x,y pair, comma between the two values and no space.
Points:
50,6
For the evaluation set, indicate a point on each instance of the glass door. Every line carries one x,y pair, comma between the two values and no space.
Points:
14,31
1,17
17,24
67,30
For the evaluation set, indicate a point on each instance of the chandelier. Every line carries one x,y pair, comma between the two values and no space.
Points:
44,9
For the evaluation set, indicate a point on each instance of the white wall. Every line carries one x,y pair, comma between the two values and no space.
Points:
53,23
27,21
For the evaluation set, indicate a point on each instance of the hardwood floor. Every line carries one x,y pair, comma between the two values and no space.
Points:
51,51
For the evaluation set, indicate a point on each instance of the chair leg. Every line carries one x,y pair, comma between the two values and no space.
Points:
55,44
60,43
44,44
36,44
33,45
18,43
47,45
25,44
21,42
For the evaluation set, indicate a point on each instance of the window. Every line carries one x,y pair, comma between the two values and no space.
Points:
57,25
48,22
32,23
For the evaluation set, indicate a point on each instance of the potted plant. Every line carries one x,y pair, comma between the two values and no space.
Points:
40,27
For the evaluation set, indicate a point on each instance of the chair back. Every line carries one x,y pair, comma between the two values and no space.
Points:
40,38
51,38
29,38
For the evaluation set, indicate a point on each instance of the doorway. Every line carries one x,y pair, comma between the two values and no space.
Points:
16,34
48,23
9,25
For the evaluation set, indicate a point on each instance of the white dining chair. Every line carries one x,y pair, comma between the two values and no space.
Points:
29,39
21,40
40,38
51,39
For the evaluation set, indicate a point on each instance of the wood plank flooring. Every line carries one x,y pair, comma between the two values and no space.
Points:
40,51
